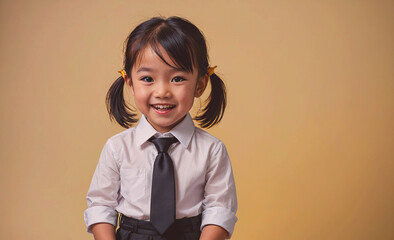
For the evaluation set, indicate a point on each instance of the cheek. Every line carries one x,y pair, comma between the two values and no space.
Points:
140,93
187,95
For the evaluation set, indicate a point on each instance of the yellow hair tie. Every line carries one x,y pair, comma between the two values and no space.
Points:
211,70
123,72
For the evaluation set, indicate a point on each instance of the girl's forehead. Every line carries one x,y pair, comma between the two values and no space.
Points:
156,56
148,55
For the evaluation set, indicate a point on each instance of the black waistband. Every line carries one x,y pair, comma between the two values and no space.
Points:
183,225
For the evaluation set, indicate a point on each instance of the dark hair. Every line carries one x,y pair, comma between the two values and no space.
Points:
185,44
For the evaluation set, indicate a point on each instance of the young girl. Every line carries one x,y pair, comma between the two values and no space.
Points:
167,179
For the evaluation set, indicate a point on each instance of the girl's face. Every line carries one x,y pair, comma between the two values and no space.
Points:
162,93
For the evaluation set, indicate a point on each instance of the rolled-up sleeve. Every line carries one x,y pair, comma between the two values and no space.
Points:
102,196
220,198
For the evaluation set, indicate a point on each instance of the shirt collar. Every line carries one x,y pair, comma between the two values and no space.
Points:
183,131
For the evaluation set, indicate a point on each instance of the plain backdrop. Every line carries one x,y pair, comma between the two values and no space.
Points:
309,125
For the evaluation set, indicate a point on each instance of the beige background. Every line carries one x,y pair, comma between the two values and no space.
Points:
309,125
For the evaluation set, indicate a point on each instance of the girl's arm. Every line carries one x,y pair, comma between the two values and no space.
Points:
220,199
213,232
103,231
101,216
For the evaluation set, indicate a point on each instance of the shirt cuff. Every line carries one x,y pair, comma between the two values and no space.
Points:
220,216
100,214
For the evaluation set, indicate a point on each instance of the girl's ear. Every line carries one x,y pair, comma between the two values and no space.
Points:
129,85
201,85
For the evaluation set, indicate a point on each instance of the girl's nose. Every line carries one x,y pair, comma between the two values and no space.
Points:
162,90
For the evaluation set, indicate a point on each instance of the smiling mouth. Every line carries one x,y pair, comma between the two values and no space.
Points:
163,106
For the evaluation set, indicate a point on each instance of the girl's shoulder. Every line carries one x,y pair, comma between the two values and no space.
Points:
213,146
124,138
125,134
207,138
204,134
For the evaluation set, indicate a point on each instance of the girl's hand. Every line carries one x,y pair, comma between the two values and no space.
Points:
103,231
213,232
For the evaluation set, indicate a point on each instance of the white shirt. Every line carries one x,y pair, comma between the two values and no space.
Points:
203,176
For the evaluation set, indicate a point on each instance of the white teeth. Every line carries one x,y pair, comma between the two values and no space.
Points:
162,106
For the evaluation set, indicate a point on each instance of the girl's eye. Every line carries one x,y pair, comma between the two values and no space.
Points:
178,79
147,79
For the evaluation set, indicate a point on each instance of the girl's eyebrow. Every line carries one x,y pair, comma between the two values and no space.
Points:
147,69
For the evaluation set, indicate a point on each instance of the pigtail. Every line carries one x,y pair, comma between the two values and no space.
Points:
217,101
116,106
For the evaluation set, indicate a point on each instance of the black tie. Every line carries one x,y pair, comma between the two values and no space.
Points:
162,207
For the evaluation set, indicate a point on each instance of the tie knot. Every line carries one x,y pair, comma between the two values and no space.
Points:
162,144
